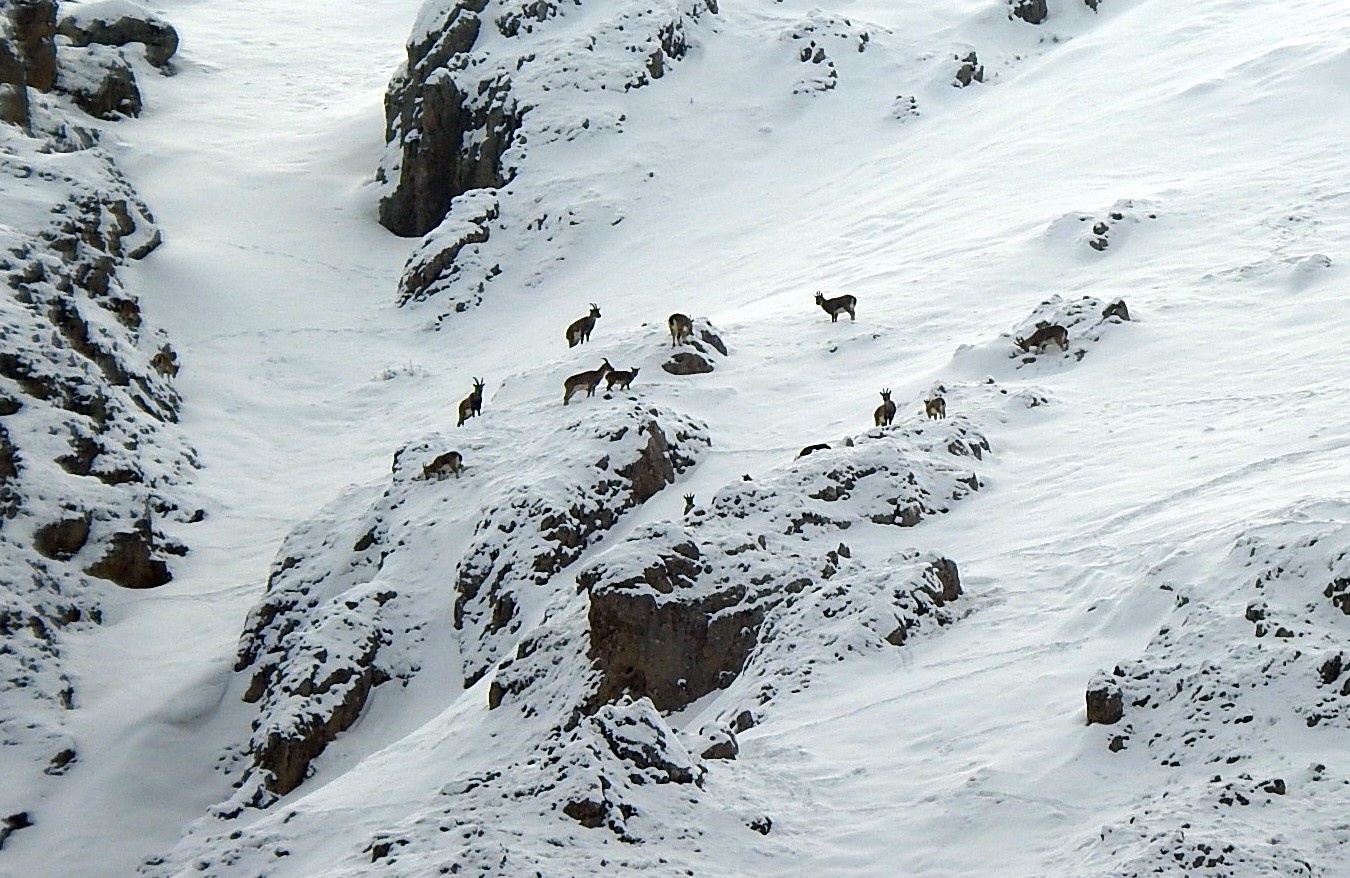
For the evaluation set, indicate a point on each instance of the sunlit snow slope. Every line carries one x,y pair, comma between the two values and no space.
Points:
1171,502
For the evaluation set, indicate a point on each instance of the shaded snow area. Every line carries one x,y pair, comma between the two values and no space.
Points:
674,438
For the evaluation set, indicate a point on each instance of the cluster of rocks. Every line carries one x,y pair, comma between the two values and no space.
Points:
699,352
1281,623
89,66
1105,229
1038,11
1225,684
969,69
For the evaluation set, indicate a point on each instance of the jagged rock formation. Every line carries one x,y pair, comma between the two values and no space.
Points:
970,70
339,617
681,607
453,113
706,342
1085,318
90,454
461,119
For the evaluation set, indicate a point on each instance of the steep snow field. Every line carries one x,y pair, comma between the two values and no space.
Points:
1208,138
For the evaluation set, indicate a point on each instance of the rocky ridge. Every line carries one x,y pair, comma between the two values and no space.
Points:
90,454
592,753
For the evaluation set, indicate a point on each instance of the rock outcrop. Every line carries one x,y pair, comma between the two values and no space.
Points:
706,344
530,537
1030,11
461,119
342,614
684,608
120,23
100,82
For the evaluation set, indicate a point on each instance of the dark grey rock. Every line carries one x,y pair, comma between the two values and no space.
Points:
63,539
970,70
1105,703
686,363
1116,309
1030,11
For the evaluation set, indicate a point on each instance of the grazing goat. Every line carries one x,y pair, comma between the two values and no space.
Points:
449,462
1043,336
580,330
838,305
472,405
935,408
681,327
588,380
819,446
885,412
622,379
688,503
165,362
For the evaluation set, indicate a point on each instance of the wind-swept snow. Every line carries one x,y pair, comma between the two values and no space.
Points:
1155,505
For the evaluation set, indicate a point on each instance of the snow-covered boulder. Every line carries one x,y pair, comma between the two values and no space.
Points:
118,23
100,81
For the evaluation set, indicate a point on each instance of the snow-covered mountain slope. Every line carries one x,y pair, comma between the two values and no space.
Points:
93,465
879,658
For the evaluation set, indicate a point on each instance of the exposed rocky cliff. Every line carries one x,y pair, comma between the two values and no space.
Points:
90,454
475,98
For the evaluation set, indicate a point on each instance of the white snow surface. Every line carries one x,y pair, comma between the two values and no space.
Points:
1143,492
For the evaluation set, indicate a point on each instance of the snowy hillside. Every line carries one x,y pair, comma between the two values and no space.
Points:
1086,615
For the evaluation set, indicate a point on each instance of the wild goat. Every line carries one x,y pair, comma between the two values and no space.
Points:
819,446
688,503
838,305
165,362
622,379
935,408
471,405
681,327
1043,336
449,462
588,380
885,412
580,330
